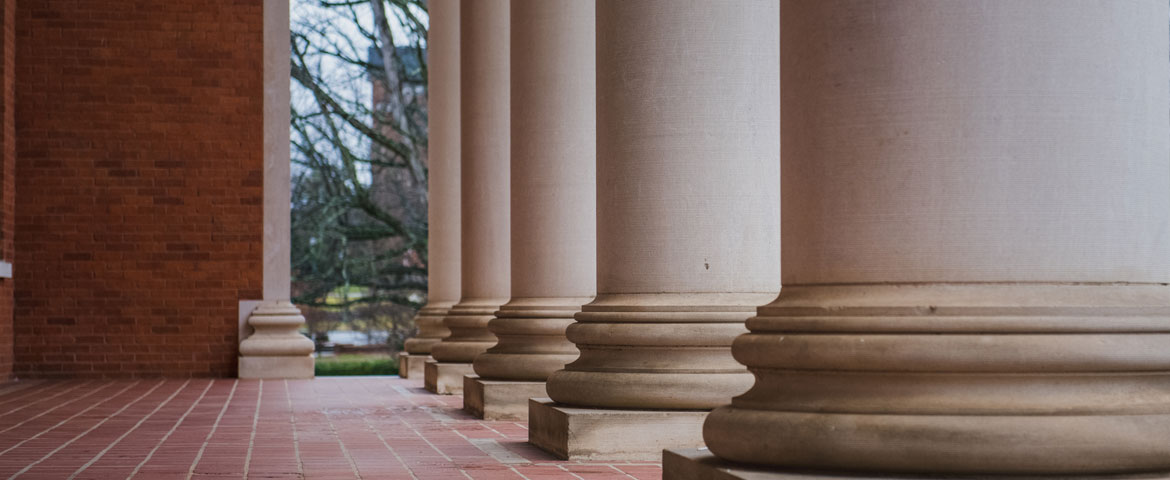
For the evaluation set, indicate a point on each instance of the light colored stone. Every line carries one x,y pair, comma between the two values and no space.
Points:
431,329
411,365
664,351
277,153
499,399
443,158
273,368
469,336
244,310
991,133
702,465
688,224
688,204
485,214
276,349
532,343
445,378
975,252
954,378
579,434
553,168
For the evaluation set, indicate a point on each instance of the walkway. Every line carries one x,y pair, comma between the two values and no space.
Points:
328,428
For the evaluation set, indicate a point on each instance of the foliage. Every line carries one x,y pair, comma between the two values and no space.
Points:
395,322
356,365
358,150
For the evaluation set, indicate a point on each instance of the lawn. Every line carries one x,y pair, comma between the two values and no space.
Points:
356,365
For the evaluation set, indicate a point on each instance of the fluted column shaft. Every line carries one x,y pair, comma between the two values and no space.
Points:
553,175
975,205
485,219
688,220
443,229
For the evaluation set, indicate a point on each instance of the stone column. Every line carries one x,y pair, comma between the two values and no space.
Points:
554,158
276,349
443,159
687,225
485,218
976,258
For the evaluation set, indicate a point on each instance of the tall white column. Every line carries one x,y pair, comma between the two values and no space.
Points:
485,219
443,147
554,182
976,202
276,349
687,225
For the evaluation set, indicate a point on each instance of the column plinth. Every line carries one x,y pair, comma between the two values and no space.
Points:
532,343
430,332
276,349
467,321
656,351
955,379
430,328
687,226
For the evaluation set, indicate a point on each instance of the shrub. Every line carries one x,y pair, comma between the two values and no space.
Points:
356,365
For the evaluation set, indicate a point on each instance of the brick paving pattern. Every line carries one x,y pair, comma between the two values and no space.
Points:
328,428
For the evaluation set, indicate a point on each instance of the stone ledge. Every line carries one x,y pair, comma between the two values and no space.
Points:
576,434
499,399
270,368
700,464
445,378
411,365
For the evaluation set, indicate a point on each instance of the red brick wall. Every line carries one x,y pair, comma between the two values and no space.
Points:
139,172
7,175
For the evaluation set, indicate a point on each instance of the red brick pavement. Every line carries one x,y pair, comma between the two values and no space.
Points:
328,428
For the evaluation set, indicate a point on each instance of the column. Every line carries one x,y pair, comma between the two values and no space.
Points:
554,180
687,226
975,245
485,219
443,232
276,349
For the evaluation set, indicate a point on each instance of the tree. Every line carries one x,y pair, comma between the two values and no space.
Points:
359,152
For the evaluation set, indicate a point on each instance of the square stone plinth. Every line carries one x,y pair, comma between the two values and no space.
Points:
574,434
271,368
445,378
412,365
700,464
499,399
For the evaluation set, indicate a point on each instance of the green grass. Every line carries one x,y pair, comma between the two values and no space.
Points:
356,365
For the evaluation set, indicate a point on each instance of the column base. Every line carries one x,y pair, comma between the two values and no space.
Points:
613,435
445,378
412,365
691,464
959,379
268,368
499,399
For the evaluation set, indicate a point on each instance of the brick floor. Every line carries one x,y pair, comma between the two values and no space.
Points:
328,428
